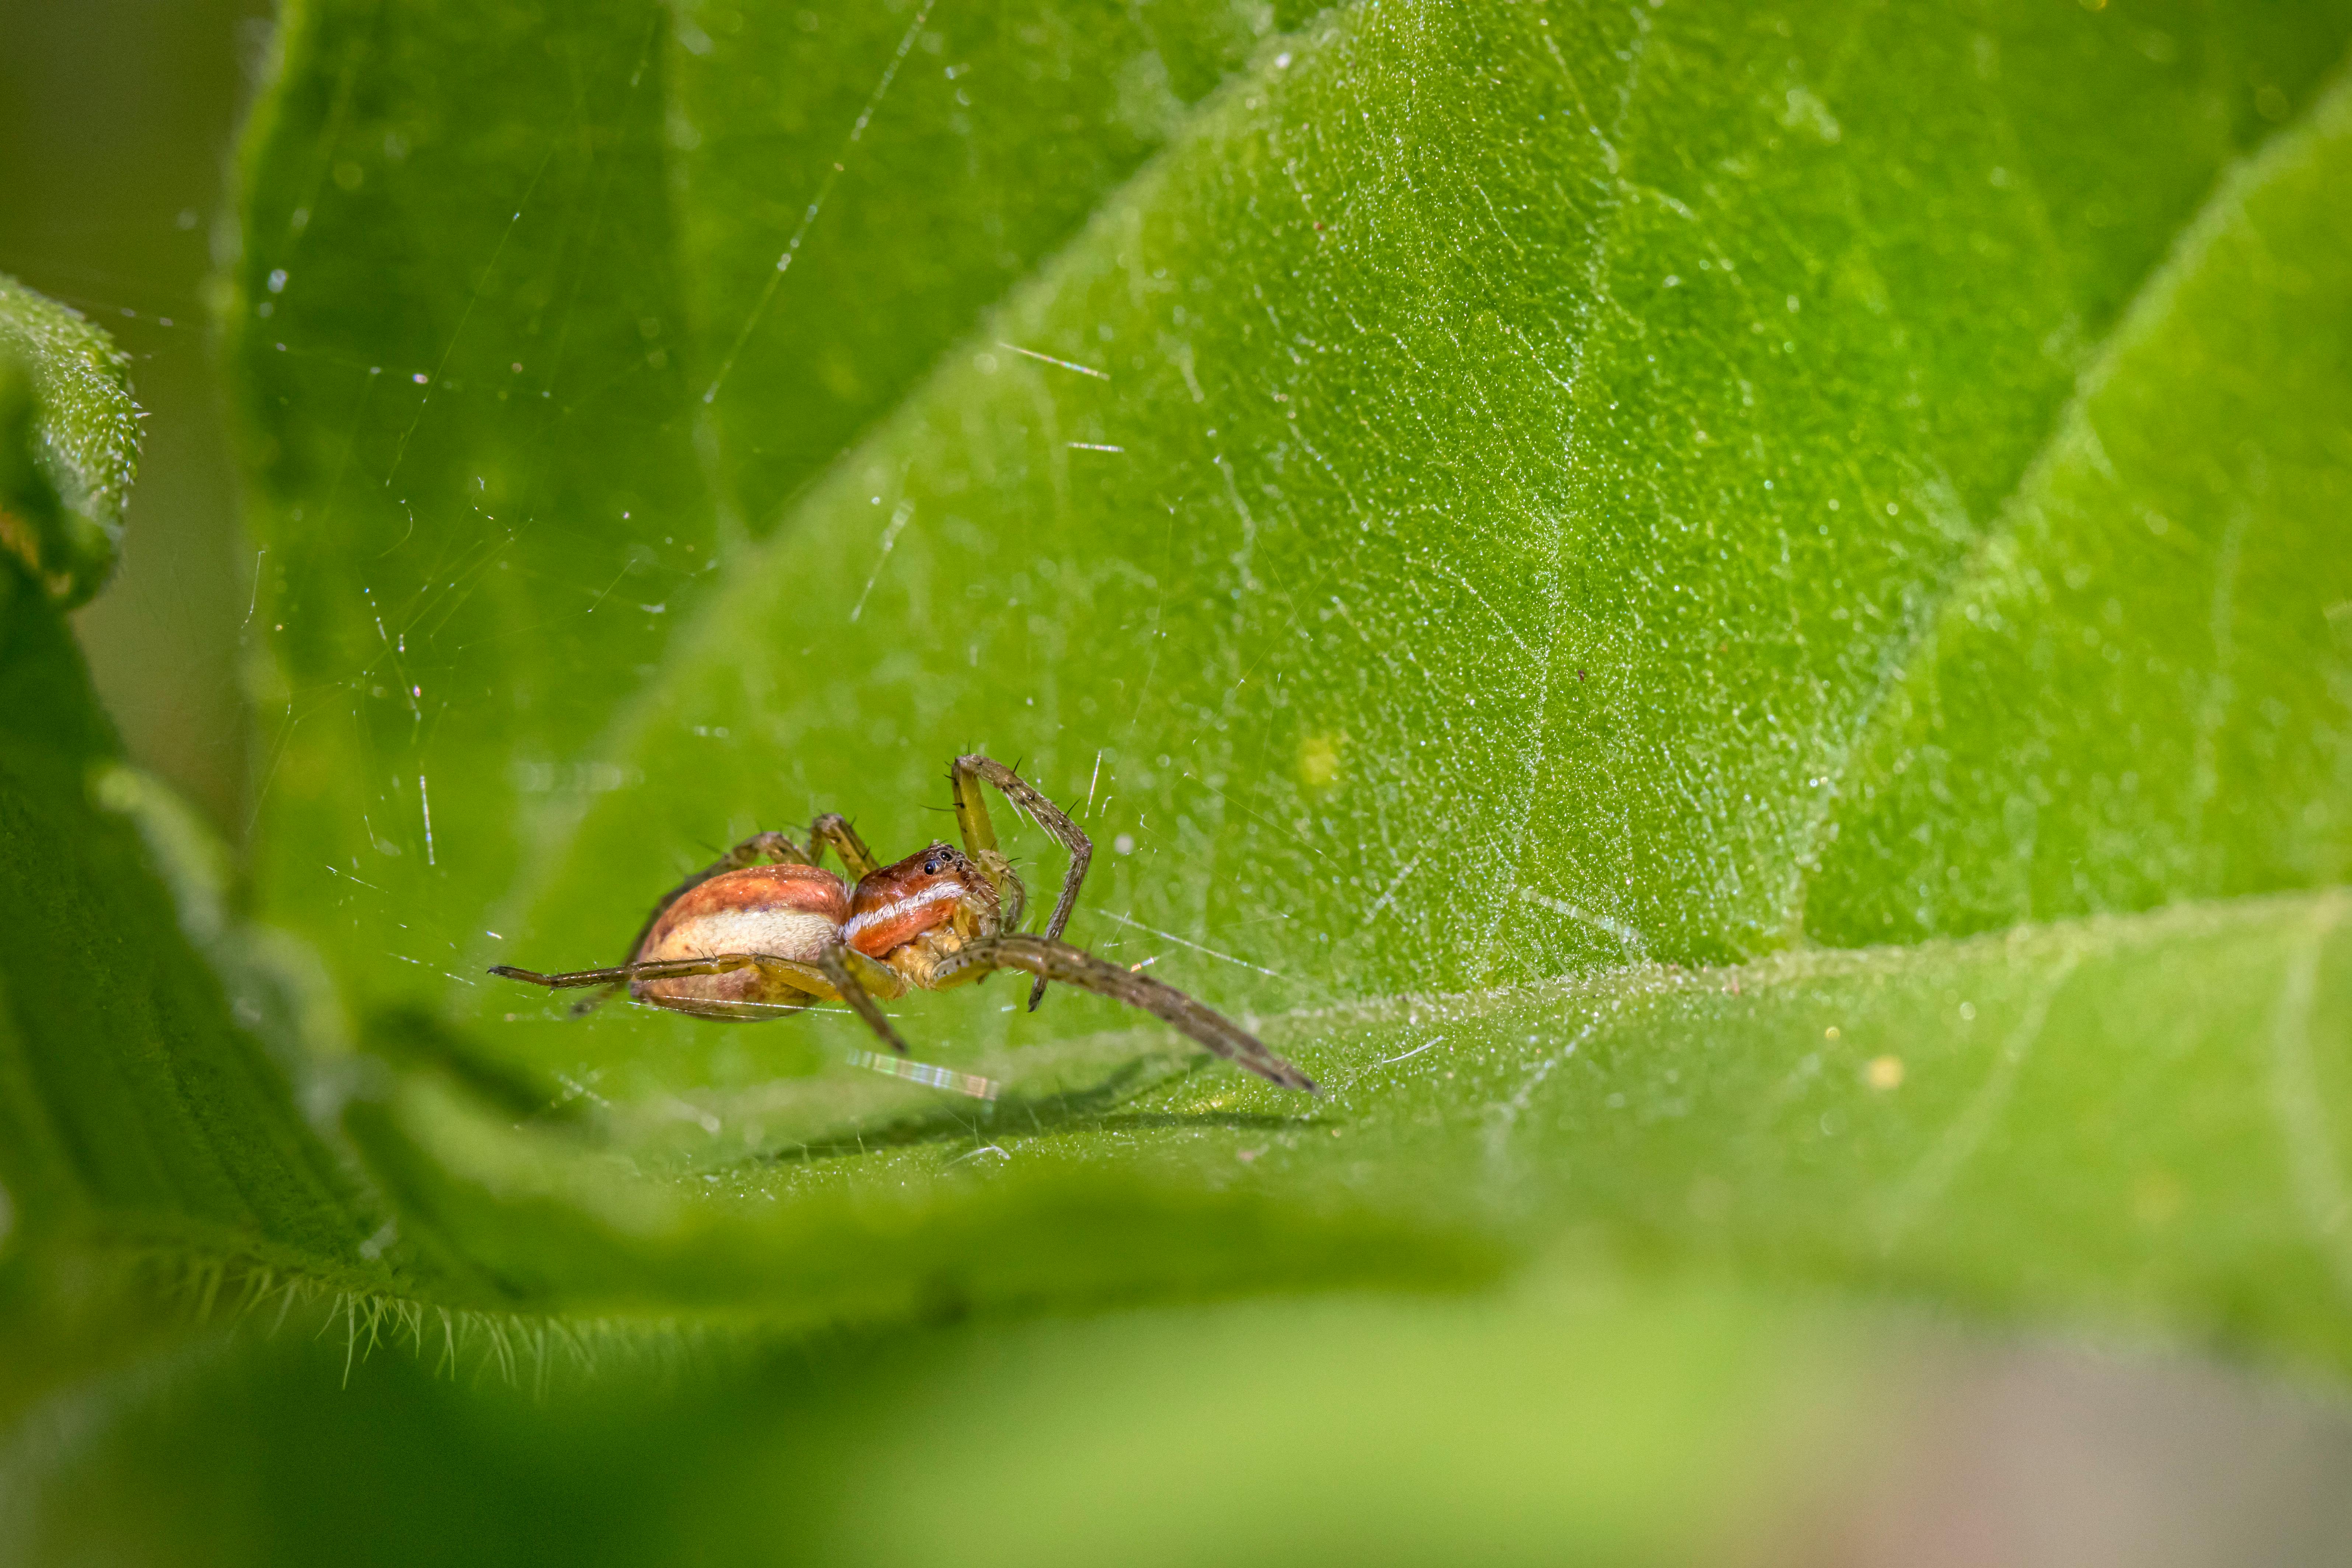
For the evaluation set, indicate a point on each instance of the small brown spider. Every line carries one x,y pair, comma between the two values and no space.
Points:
744,941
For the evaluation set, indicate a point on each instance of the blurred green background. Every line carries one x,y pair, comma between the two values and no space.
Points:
1642,1401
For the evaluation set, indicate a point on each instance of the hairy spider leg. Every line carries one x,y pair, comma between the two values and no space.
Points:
833,829
760,847
980,841
1050,960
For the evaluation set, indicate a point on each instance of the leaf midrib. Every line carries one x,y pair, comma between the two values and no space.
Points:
1602,249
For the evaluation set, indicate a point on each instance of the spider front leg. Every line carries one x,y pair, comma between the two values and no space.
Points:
1050,960
980,840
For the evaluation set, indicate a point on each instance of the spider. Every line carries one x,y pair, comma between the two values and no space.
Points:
742,941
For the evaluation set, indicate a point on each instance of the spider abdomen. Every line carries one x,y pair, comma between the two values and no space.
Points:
781,911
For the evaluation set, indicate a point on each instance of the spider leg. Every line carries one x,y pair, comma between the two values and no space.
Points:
833,829
759,846
980,838
1050,960
840,965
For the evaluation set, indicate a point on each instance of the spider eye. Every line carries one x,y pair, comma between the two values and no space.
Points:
930,867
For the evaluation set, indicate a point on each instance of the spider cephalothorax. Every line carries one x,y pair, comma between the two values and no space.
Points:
922,911
745,942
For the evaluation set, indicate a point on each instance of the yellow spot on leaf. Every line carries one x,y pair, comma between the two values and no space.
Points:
1318,761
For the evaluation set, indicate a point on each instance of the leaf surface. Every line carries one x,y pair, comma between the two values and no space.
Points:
2141,690
2140,1122
1485,515
523,366
69,441
1438,560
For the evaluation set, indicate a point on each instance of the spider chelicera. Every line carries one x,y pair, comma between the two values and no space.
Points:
745,942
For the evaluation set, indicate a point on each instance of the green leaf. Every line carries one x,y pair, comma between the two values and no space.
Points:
519,1225
137,1112
68,444
1485,515
496,257
2141,690
1470,660
2132,1120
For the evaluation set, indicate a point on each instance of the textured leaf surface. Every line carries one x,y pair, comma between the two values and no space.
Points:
495,260
2141,691
1437,553
1500,497
1462,669
2143,1122
68,443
